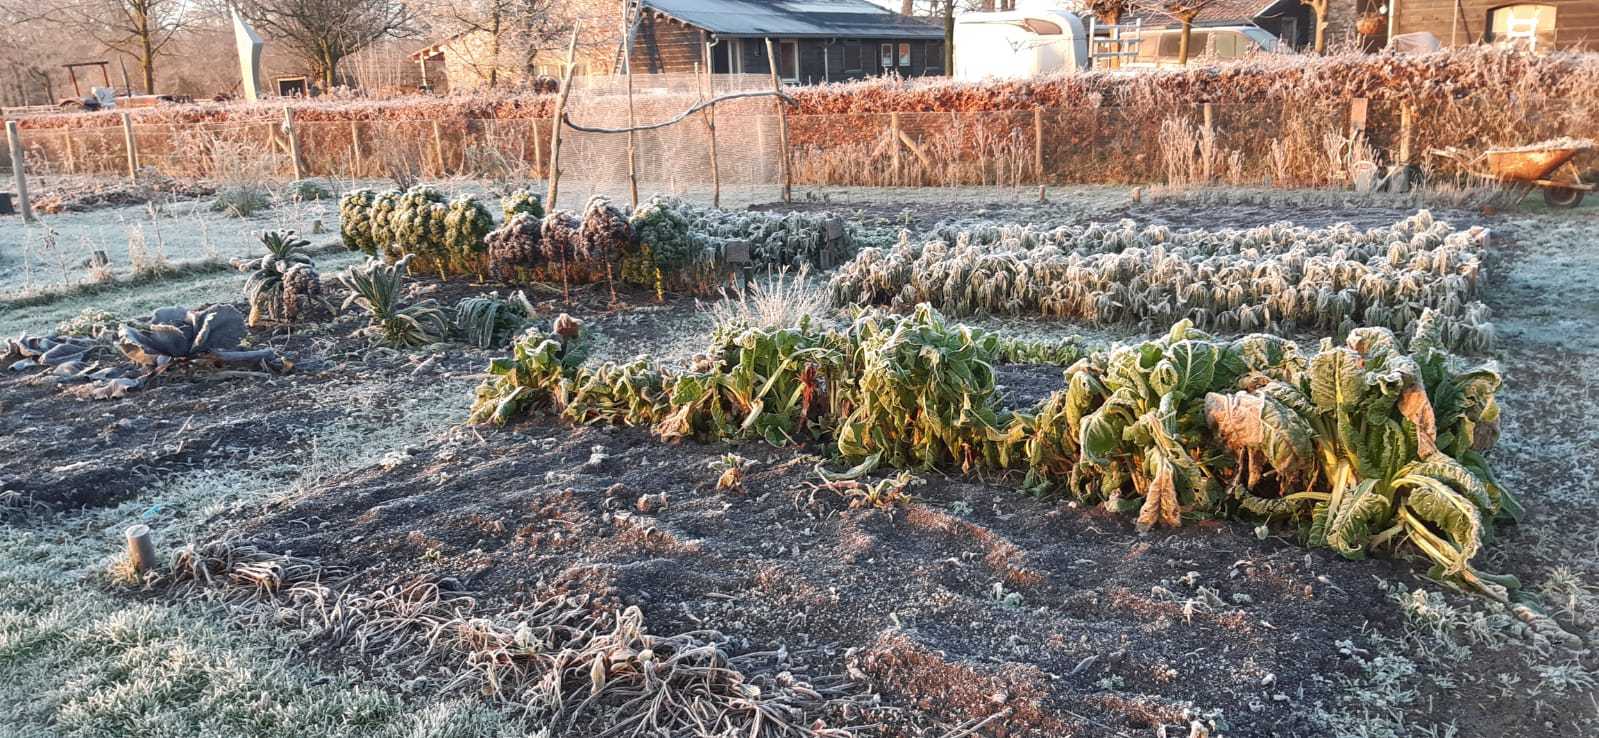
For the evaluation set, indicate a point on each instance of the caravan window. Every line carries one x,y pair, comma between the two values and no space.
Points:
1041,27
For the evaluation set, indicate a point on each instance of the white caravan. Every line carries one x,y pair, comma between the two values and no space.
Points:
1019,44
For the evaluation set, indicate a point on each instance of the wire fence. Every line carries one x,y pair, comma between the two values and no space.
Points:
1249,144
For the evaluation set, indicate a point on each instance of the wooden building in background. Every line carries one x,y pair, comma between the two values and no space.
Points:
816,42
1546,25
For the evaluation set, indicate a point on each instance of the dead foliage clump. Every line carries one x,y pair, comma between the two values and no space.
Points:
569,661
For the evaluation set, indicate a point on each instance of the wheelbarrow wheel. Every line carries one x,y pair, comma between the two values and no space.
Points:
1562,197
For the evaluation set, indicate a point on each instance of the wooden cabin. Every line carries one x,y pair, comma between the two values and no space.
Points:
815,42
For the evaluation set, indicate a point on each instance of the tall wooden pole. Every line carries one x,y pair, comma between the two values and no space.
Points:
782,122
632,135
710,125
20,171
560,114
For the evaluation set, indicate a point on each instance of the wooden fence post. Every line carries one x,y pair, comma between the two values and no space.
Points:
782,121
1407,124
538,153
1357,116
1209,111
294,143
72,163
1038,149
19,170
131,147
141,548
355,150
560,114
893,144
710,125
438,148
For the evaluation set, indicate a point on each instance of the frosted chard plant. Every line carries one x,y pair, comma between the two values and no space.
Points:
1363,445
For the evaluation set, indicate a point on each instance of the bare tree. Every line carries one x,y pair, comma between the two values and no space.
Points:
324,32
506,32
139,28
1184,12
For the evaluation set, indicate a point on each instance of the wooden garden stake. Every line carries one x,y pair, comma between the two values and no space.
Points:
141,548
632,135
294,143
130,147
710,125
20,171
782,122
560,120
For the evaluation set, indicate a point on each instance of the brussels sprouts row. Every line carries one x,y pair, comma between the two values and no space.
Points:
1279,279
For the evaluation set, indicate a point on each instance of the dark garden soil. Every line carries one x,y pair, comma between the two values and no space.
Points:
83,453
970,599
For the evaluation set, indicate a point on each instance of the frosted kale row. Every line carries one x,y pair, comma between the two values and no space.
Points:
1280,278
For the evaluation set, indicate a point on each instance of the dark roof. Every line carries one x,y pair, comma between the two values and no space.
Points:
1220,13
796,19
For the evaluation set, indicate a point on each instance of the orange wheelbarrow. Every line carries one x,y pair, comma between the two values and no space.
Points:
1526,168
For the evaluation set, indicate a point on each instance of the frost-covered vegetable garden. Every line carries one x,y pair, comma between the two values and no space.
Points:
674,470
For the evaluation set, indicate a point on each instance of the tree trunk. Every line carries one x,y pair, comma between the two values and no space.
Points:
1321,30
907,7
1182,46
146,60
949,37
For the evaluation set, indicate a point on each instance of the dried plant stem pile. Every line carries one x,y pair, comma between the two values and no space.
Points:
1278,279
572,663
1361,447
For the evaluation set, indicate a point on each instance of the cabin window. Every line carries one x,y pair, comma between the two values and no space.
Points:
1230,45
1171,44
935,56
1288,32
788,60
1527,25
885,53
1041,27
853,56
904,54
